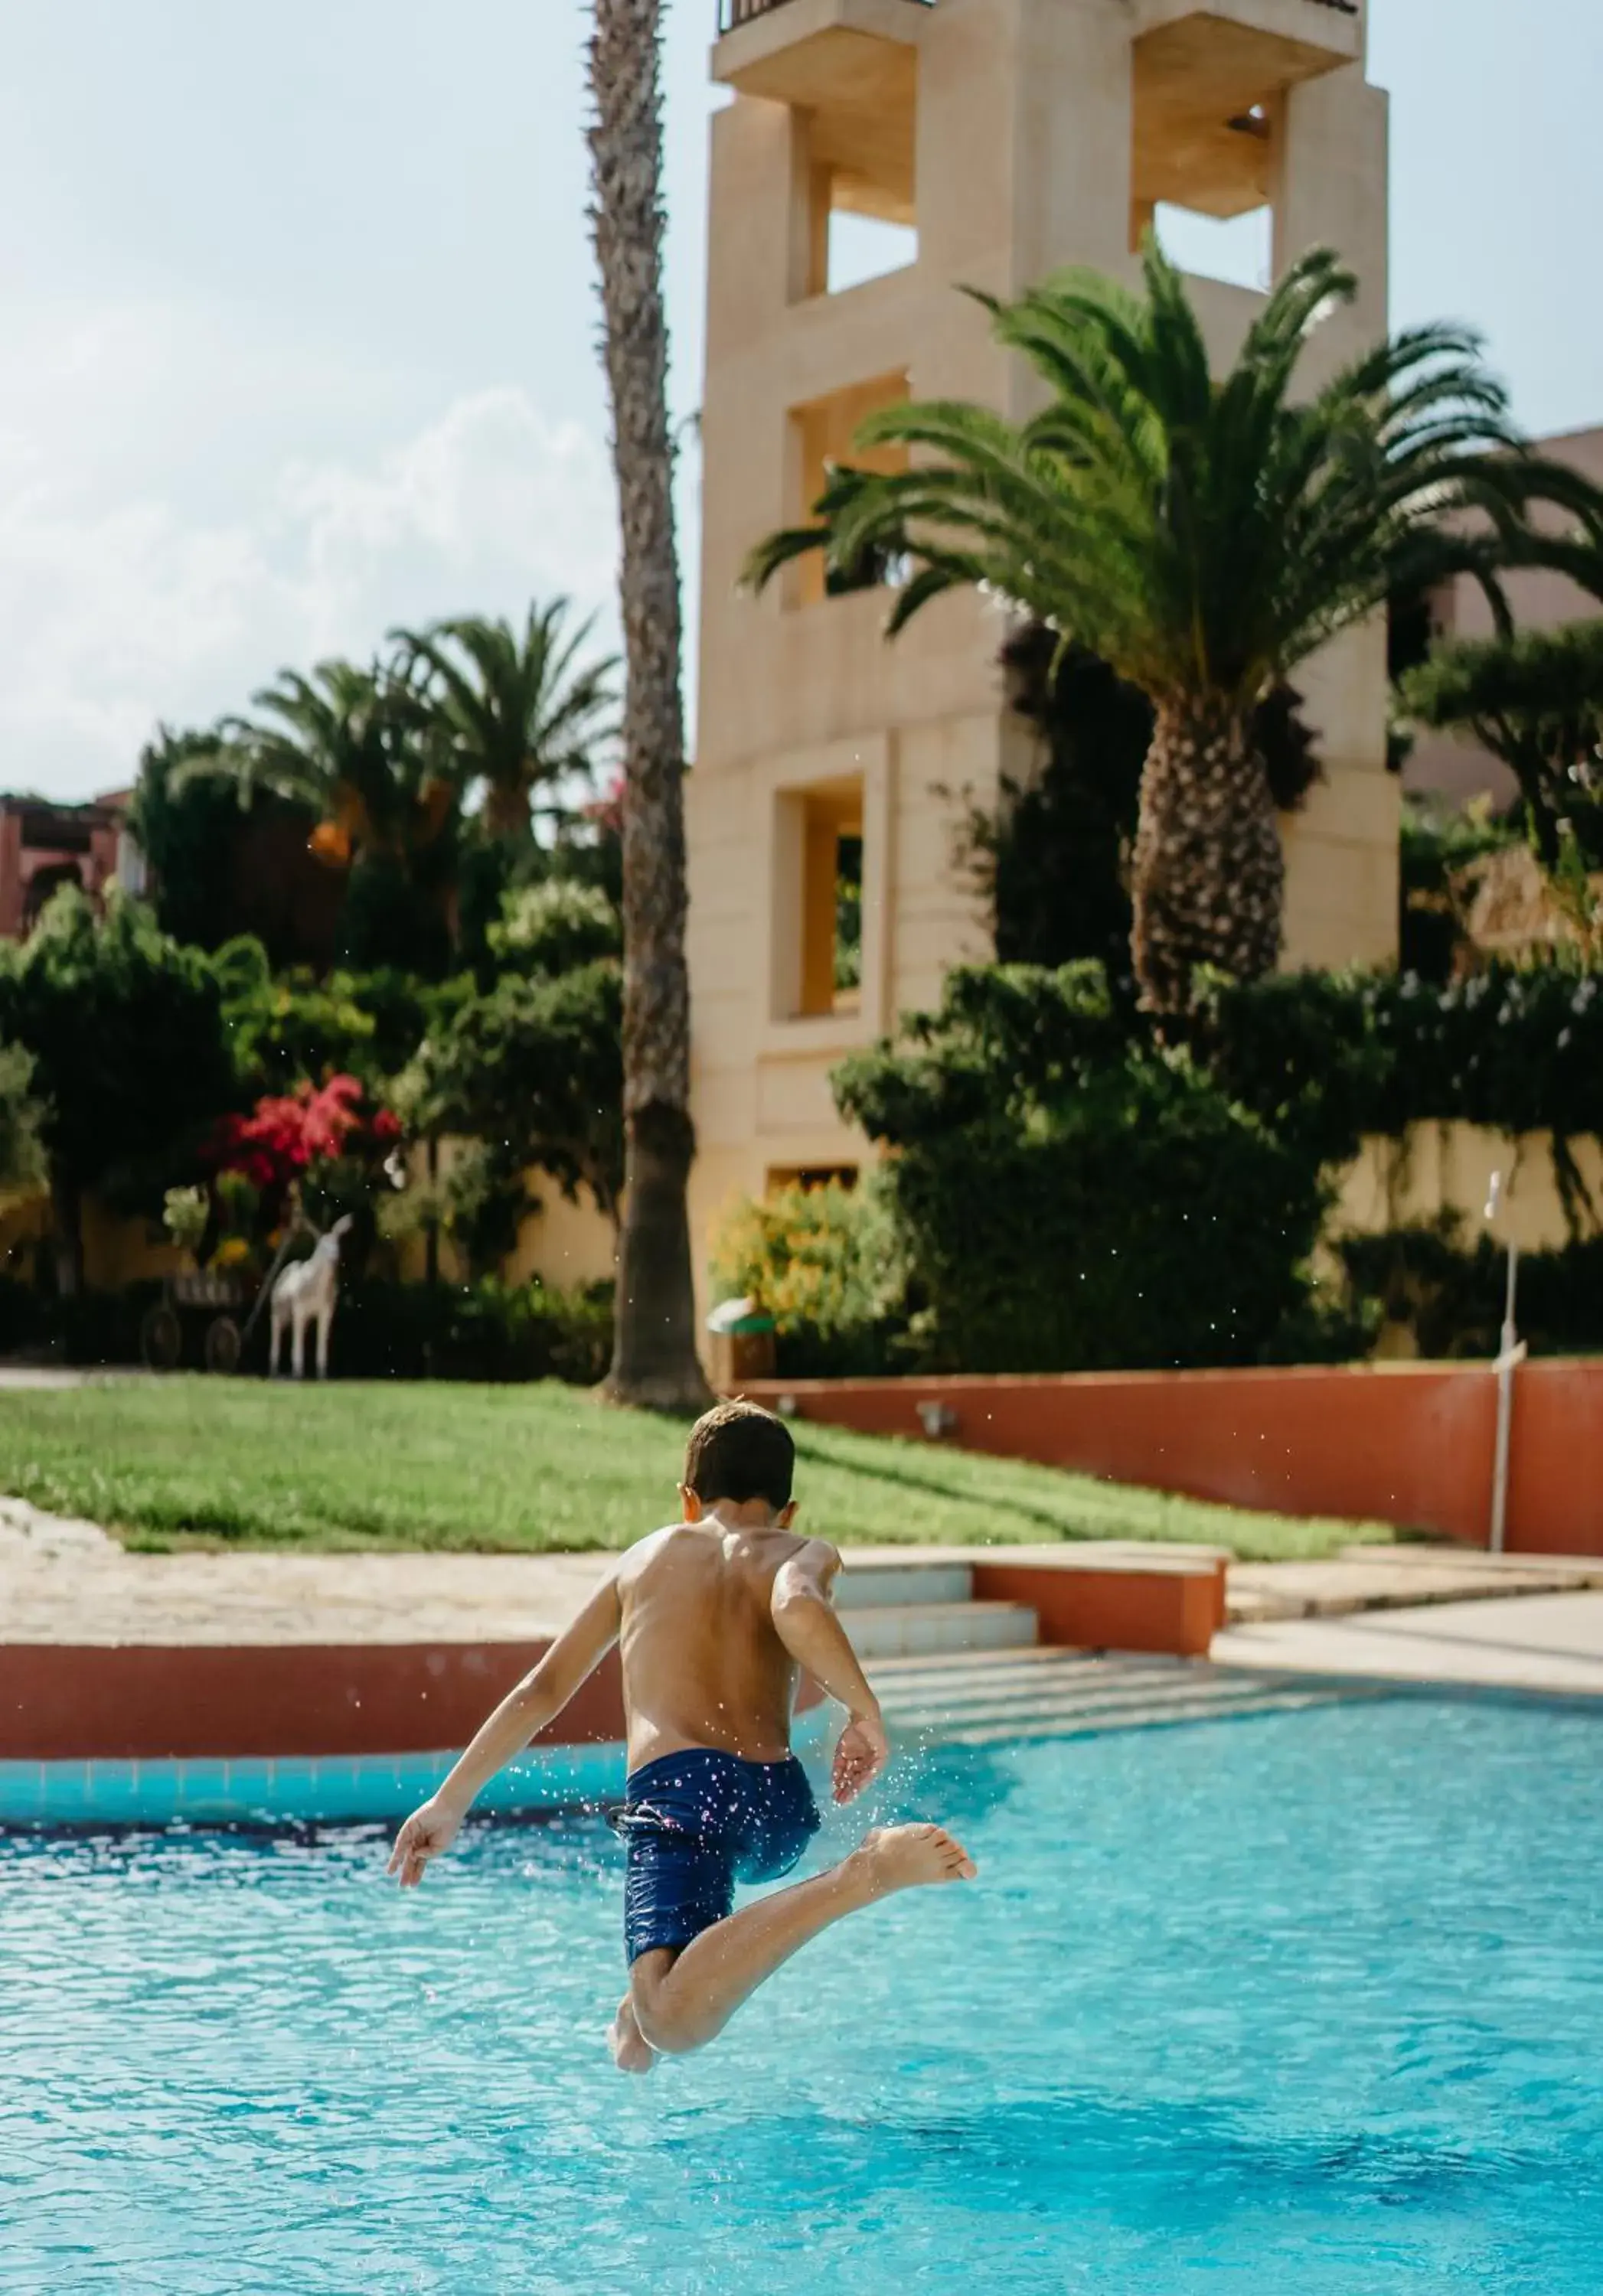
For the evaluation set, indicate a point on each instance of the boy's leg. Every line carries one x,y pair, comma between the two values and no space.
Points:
681,2003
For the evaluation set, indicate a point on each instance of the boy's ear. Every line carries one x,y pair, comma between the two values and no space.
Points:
787,1516
690,1503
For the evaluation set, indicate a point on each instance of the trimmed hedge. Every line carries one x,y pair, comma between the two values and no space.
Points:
484,1330
1328,1057
1451,1293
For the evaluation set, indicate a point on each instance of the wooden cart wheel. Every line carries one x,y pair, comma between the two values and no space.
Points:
161,1337
223,1344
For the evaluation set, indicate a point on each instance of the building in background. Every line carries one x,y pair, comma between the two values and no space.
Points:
44,846
1002,139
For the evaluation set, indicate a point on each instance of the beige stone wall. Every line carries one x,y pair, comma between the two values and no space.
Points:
562,1244
1448,1167
117,1251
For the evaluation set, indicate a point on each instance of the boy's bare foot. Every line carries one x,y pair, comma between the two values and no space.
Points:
632,2053
906,1856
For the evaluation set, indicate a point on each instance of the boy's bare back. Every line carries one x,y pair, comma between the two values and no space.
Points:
702,1662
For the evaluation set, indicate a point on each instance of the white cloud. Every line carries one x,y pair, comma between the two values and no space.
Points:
122,602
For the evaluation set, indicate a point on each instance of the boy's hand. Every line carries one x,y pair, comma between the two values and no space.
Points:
426,1833
862,1755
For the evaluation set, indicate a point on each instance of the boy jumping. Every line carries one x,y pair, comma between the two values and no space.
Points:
715,1617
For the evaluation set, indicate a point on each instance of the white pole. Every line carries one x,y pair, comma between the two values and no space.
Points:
1510,1354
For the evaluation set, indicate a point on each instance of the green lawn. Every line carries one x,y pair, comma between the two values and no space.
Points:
502,1469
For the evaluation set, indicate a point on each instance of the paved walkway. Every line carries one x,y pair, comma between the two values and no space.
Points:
68,1582
21,1375
1396,1578
1548,1643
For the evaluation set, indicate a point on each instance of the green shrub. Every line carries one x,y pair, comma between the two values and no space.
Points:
1450,1291
1140,1220
1435,848
1068,1195
1066,1191
483,1330
286,1027
1330,1056
488,1330
822,1262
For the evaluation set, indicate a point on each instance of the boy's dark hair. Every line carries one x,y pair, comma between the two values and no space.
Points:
738,1451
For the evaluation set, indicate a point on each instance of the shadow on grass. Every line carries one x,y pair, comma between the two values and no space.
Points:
910,1477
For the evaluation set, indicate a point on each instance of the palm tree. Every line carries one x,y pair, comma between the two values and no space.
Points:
654,1360
522,712
361,749
1202,538
352,744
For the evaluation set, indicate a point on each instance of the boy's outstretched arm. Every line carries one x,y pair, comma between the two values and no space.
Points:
521,1715
804,1617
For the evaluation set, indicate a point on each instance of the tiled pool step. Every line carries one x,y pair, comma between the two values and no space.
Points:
1060,1694
871,1586
925,1609
893,1630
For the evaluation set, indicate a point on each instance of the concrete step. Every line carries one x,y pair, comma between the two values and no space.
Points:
962,1695
1156,1717
879,1585
1060,1693
1076,1707
889,1630
910,1679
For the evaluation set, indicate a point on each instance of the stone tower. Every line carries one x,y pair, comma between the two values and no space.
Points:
1014,137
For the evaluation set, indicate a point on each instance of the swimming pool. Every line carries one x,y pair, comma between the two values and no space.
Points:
1302,2006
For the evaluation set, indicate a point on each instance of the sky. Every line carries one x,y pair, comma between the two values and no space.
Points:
298,323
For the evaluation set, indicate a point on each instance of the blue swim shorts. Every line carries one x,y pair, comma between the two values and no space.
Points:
697,1821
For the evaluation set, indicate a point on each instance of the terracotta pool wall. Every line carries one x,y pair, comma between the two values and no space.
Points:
149,1702
1409,1444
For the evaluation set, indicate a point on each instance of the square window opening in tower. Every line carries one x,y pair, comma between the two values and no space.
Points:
823,436
818,905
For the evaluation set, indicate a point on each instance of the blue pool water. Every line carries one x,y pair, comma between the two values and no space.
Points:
1305,2006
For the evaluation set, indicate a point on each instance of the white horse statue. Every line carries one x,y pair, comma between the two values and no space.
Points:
307,1292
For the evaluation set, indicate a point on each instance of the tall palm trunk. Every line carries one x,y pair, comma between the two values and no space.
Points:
1210,876
654,1360
508,811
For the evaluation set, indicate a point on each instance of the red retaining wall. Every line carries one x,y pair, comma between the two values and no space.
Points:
1405,1444
142,1701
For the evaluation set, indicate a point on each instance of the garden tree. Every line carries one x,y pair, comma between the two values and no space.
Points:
21,1121
217,870
554,926
654,1360
131,1052
291,1027
532,1070
522,712
1202,538
1534,698
361,750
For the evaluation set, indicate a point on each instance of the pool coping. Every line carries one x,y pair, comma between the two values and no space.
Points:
278,1794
